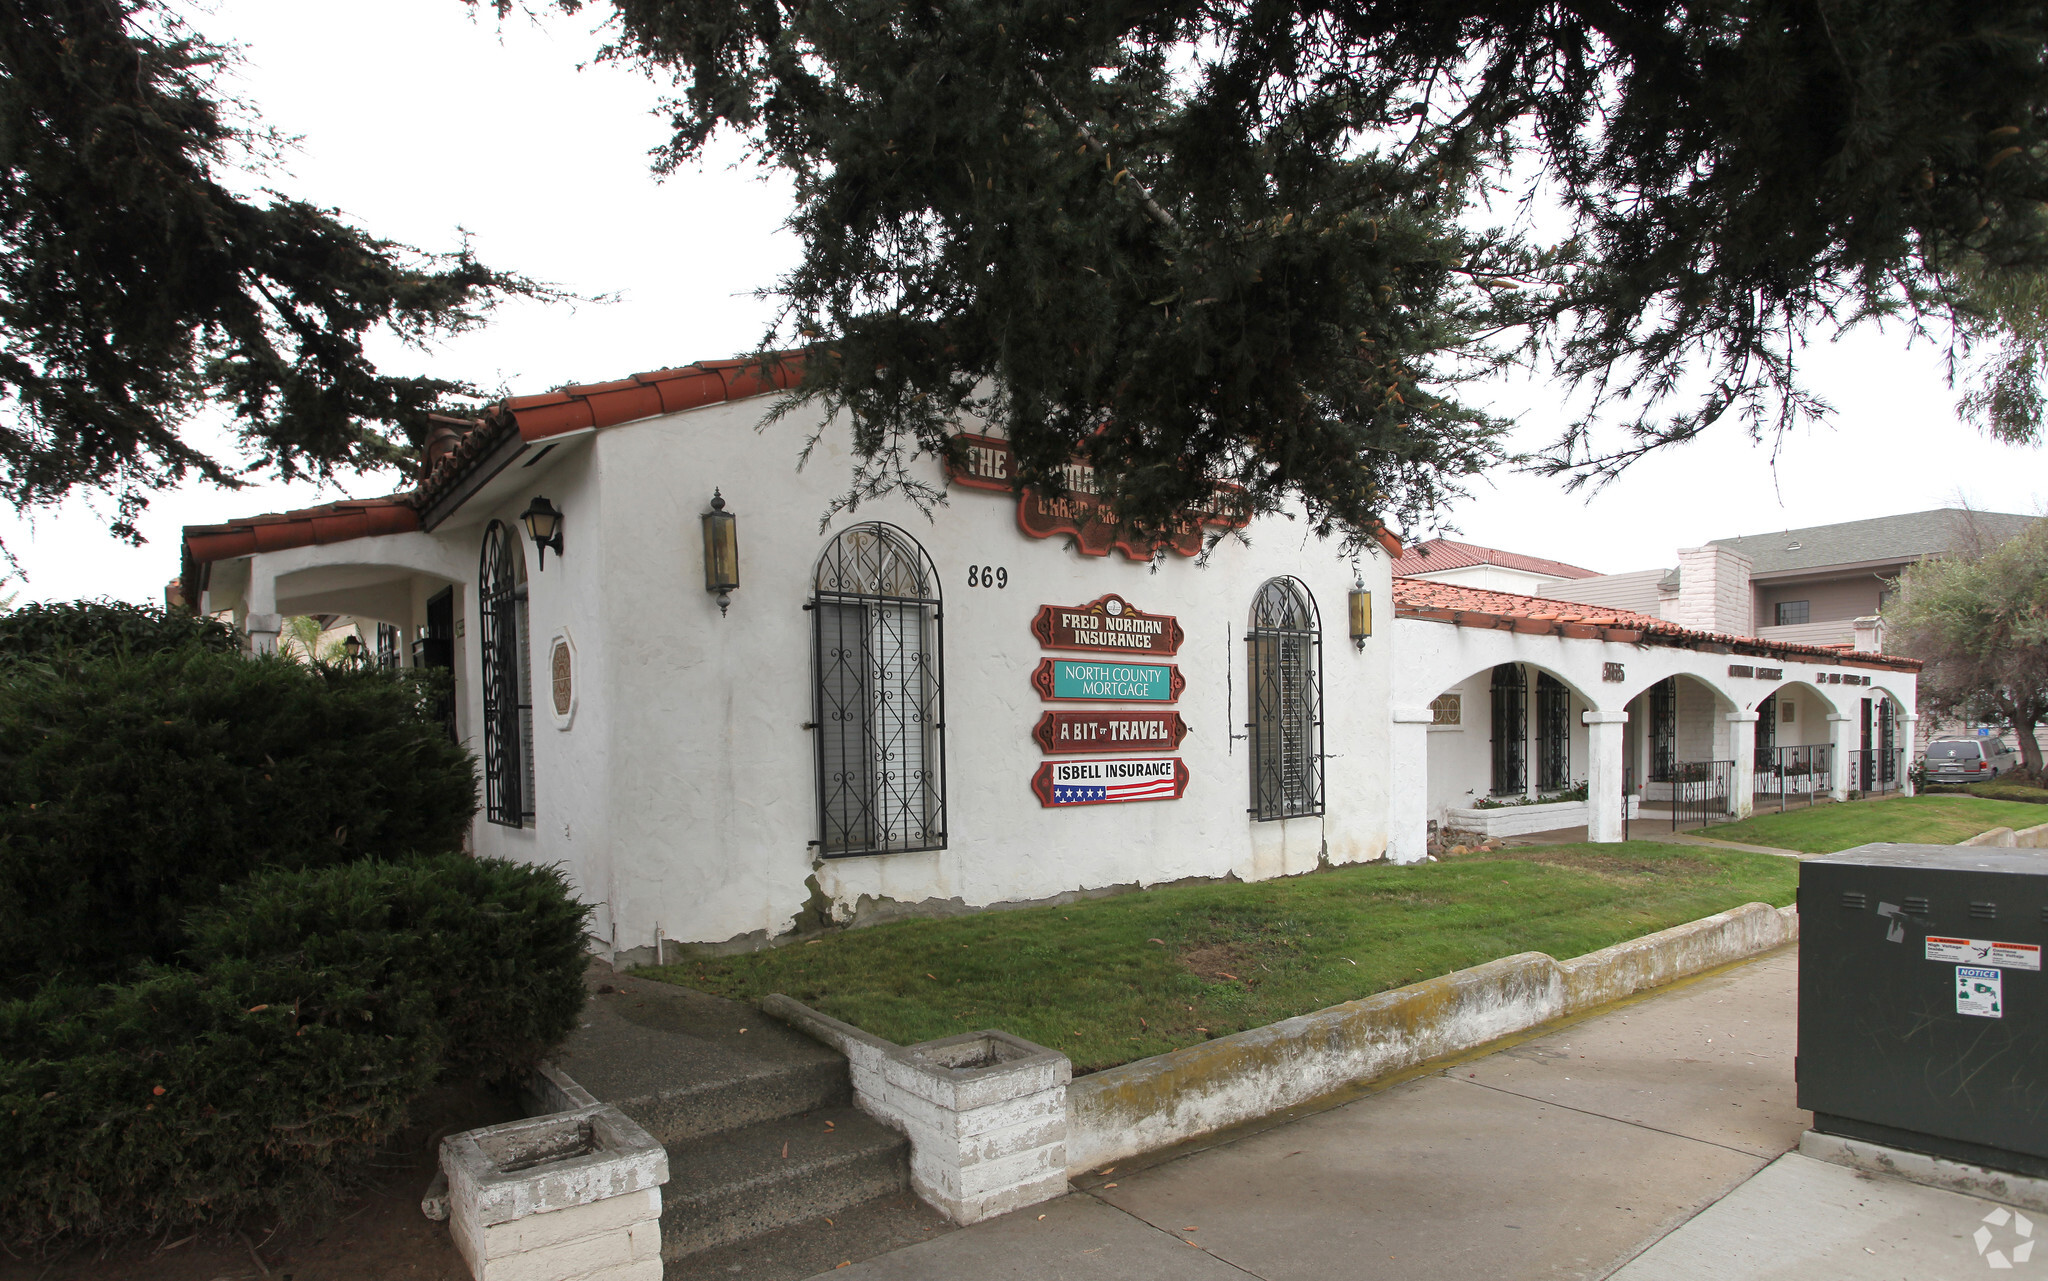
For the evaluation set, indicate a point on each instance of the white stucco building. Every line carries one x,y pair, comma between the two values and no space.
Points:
993,702
860,731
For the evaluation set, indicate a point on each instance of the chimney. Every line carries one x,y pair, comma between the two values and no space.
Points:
1869,635
1713,591
443,435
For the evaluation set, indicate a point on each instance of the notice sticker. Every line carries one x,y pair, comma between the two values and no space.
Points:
1978,992
2010,956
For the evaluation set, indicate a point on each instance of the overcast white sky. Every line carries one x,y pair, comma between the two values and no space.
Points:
416,119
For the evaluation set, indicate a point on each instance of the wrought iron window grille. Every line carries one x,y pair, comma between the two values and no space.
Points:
878,695
1663,729
1553,734
1510,730
1285,727
507,681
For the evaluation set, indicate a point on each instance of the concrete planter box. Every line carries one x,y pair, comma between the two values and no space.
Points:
1520,820
985,1112
574,1196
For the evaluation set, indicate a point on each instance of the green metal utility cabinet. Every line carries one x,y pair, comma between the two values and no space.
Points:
1923,1016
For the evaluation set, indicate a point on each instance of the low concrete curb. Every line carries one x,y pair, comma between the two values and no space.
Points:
2027,838
1935,1172
1168,1099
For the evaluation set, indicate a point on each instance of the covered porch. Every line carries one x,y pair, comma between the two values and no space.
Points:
1516,715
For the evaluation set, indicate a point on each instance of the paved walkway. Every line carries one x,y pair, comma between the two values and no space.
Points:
1566,1155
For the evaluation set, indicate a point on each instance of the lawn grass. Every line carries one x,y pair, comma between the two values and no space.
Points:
1114,979
1928,820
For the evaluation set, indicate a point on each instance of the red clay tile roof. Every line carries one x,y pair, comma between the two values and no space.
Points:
329,523
1431,555
533,418
1507,611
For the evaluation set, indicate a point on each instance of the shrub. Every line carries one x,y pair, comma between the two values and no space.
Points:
134,788
2003,790
106,629
314,1006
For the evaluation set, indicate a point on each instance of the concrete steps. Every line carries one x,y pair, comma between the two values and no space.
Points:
749,1181
764,1144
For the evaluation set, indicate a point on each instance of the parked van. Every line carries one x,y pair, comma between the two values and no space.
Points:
1968,760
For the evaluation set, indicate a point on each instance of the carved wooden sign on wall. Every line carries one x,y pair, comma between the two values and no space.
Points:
1107,623
1077,514
1062,733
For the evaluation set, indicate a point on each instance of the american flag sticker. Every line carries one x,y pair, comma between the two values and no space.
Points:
1109,782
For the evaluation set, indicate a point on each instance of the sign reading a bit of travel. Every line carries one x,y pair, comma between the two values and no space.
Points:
1108,623
1063,680
1061,733
1058,784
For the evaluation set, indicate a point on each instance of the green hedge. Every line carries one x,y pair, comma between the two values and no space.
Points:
106,629
134,788
314,1005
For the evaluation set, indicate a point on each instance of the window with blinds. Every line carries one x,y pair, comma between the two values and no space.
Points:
879,691
507,678
1285,644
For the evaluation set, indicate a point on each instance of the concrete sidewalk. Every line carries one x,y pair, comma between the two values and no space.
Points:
1567,1154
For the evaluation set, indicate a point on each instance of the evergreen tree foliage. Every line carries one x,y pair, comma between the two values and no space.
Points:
1248,240
136,286
1979,620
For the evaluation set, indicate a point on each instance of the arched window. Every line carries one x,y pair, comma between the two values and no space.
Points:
507,678
879,690
1286,724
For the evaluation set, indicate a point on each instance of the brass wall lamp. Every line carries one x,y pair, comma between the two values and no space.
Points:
721,552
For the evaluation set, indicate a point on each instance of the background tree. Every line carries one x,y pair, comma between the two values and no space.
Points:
1979,619
136,287
1248,240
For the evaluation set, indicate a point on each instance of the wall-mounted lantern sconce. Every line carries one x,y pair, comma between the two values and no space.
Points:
544,526
352,647
721,552
1361,616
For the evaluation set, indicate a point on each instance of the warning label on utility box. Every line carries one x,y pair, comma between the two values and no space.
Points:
1978,992
2009,956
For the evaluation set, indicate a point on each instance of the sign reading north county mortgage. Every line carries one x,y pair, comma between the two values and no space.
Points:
1062,733
1107,624
1069,680
986,463
1058,784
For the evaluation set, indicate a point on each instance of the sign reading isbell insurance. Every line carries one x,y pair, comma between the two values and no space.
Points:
1109,782
1107,625
1061,680
1064,733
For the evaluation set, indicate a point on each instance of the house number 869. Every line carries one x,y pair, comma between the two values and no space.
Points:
987,576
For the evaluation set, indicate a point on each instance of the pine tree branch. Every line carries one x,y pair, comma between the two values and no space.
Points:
1071,121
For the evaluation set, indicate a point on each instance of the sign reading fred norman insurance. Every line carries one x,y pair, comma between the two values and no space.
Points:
1060,733
1107,624
1061,680
1110,782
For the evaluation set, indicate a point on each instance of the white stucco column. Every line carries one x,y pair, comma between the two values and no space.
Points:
262,620
1909,726
1840,726
1408,821
1742,781
1606,772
